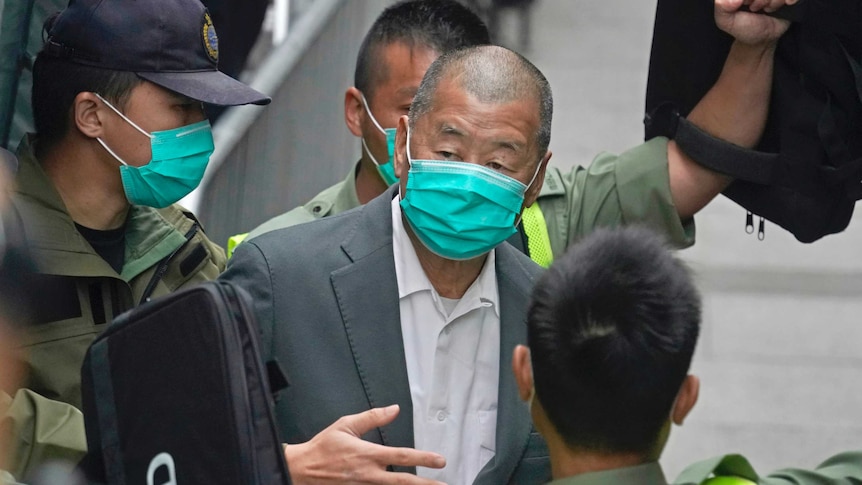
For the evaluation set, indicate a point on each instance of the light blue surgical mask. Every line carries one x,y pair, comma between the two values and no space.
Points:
386,170
179,160
461,210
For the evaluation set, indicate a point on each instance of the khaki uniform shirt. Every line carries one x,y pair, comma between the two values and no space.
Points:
339,198
842,469
646,474
165,250
615,189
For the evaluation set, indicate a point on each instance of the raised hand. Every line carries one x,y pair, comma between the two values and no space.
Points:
751,27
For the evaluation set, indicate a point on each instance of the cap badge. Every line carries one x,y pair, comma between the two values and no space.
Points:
210,38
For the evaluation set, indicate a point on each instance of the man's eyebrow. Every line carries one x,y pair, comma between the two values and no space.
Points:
509,145
447,129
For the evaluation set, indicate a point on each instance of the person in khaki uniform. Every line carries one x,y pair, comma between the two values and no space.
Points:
393,57
361,286
121,136
615,189
611,332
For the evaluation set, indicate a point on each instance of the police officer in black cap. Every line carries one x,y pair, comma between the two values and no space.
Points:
121,136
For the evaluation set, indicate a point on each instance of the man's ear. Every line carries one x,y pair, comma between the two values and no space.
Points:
399,158
533,192
686,399
89,114
354,111
523,369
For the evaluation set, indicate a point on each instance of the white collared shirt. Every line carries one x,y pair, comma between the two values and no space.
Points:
452,348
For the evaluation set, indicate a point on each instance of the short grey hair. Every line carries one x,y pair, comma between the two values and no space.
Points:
493,74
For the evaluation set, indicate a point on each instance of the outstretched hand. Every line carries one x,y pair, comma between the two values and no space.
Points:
339,455
751,27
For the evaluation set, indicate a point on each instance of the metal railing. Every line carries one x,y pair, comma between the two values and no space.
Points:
271,159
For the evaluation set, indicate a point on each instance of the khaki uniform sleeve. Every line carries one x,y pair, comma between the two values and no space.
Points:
631,188
42,430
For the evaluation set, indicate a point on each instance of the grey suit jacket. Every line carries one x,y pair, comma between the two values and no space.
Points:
326,299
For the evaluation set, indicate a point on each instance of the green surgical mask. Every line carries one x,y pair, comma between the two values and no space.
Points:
461,210
386,170
179,160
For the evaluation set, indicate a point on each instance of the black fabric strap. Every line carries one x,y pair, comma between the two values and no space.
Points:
106,410
713,153
724,157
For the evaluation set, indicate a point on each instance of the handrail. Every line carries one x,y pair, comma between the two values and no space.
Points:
236,121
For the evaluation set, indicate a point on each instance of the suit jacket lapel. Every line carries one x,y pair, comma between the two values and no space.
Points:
513,418
367,295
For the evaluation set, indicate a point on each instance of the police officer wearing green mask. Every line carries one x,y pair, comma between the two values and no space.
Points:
121,136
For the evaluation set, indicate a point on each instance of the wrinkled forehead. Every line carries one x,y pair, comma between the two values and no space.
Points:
461,103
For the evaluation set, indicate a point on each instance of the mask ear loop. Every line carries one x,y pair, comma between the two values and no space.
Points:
121,115
535,174
376,124
370,114
409,159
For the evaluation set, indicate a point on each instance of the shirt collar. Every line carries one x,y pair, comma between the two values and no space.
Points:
411,277
645,474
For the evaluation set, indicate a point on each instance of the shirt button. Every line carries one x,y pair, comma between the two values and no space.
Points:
441,416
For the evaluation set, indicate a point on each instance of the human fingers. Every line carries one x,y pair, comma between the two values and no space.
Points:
388,455
729,6
382,477
359,424
777,4
758,5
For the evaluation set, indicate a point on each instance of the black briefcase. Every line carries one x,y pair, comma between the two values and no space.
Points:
175,392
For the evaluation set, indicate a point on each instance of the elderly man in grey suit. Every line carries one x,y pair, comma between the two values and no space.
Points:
414,301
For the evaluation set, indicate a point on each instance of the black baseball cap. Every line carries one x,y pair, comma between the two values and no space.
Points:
171,43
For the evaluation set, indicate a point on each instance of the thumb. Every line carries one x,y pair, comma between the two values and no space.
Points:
359,424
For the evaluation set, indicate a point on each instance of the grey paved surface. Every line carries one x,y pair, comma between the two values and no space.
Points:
780,353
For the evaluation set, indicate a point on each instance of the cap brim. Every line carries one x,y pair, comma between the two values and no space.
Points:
212,87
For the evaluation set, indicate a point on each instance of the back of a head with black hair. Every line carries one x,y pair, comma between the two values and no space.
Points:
612,330
57,81
440,25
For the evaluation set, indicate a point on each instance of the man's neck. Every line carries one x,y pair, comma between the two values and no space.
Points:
450,278
570,464
90,188
566,462
369,184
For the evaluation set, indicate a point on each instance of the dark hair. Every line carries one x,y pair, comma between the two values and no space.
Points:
612,329
441,25
56,82
494,75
